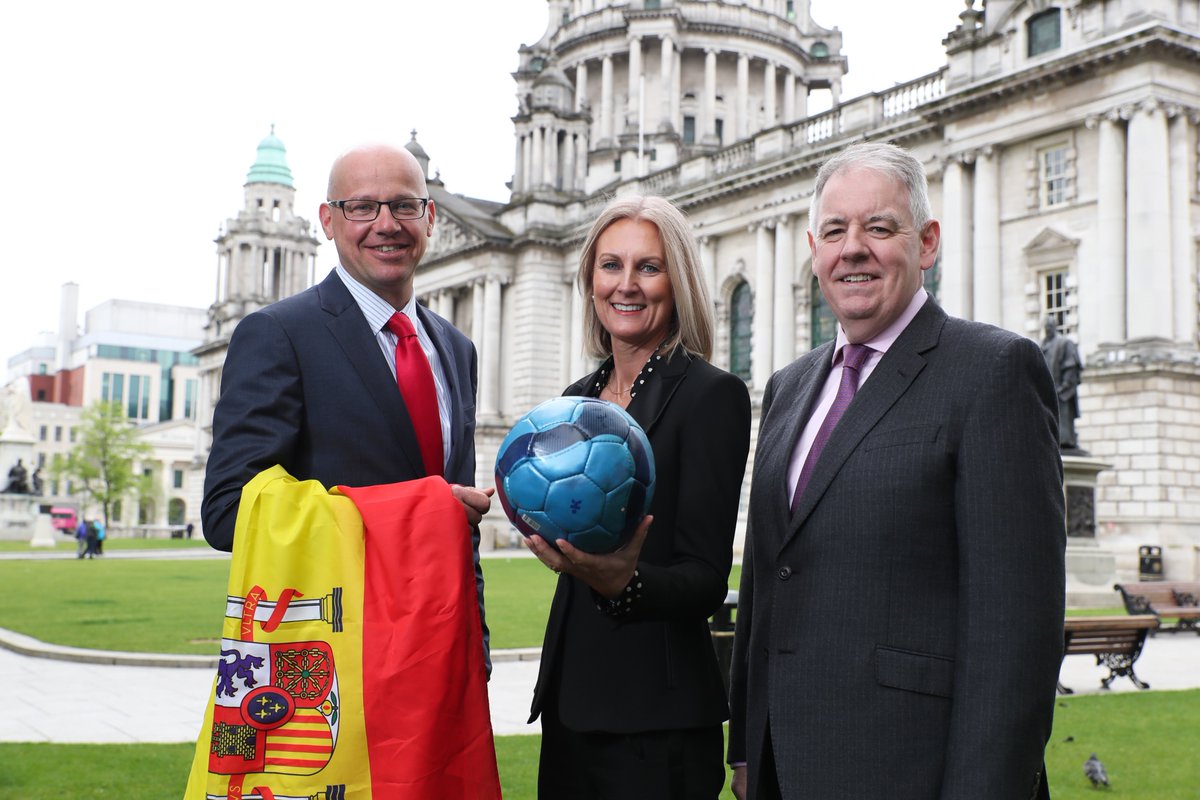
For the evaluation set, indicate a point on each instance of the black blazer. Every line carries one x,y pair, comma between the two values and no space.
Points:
656,669
902,630
306,386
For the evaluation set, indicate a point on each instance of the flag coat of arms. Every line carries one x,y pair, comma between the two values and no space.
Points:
351,652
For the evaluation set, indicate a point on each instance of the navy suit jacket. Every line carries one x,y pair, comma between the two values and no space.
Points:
900,633
656,669
306,386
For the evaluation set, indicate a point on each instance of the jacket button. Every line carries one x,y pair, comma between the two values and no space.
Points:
785,573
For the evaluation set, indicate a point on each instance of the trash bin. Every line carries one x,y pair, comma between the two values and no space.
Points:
722,625
1150,566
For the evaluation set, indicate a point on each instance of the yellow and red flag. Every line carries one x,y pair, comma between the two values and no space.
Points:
351,655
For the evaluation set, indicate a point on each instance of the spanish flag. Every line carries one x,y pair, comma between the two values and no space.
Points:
351,654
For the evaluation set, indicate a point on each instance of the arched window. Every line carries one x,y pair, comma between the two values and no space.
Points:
741,330
176,511
823,322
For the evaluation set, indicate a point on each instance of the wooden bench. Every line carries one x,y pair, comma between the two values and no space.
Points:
1165,599
1116,642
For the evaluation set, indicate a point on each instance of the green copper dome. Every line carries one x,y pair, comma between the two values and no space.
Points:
271,164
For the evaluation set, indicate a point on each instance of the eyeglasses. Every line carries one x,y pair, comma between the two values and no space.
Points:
367,210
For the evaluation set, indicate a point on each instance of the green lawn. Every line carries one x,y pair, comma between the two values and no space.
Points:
177,606
1146,739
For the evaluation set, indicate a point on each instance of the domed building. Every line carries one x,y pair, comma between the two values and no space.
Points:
1060,139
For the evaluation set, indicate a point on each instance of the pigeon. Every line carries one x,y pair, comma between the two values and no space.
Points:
1093,768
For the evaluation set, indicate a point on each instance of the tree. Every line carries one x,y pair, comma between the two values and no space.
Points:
102,462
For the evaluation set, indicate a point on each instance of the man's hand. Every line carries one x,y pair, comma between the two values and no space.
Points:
738,785
476,502
607,573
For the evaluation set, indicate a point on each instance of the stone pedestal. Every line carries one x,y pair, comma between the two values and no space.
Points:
43,532
17,515
1091,567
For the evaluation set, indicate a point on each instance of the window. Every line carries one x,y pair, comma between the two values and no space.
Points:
1044,32
820,50
791,9
689,130
931,279
176,511
71,435
178,479
1056,299
116,511
822,321
139,397
42,433
112,387
41,395
189,399
58,433
720,131
741,331
1054,169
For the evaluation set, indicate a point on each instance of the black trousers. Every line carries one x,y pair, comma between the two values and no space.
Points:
655,765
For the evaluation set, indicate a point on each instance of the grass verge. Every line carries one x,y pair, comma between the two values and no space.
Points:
1146,739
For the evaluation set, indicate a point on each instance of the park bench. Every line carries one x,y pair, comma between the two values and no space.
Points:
1165,599
1116,642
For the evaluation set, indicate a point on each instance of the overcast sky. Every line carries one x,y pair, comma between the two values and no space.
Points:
128,127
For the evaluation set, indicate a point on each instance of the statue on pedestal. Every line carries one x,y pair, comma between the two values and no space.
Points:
1062,357
18,479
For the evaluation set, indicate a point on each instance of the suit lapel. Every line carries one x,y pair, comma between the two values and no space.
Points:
890,379
650,403
352,333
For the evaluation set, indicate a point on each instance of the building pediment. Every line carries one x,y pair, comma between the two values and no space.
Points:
462,224
1050,246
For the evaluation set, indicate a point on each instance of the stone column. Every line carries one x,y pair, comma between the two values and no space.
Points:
477,311
1183,248
785,312
708,103
489,361
764,306
635,87
988,289
666,70
526,161
743,96
518,165
1106,305
801,99
537,168
606,100
581,161
550,165
677,90
568,162
769,95
956,285
1148,225
789,96
581,76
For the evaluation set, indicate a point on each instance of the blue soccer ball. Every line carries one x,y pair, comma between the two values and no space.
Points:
576,468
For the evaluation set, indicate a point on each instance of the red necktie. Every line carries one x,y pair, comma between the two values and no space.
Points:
853,358
415,379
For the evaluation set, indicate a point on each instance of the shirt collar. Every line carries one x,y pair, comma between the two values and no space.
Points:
377,310
888,336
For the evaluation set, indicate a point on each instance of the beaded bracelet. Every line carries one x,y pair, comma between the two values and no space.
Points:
621,606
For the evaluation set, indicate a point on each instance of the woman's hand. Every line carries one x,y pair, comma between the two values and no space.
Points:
607,573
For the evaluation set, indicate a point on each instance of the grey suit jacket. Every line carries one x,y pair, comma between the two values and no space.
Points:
901,632
306,386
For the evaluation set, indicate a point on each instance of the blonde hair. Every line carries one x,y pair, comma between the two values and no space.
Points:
691,326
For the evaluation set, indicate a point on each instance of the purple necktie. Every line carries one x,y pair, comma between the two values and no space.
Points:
853,357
